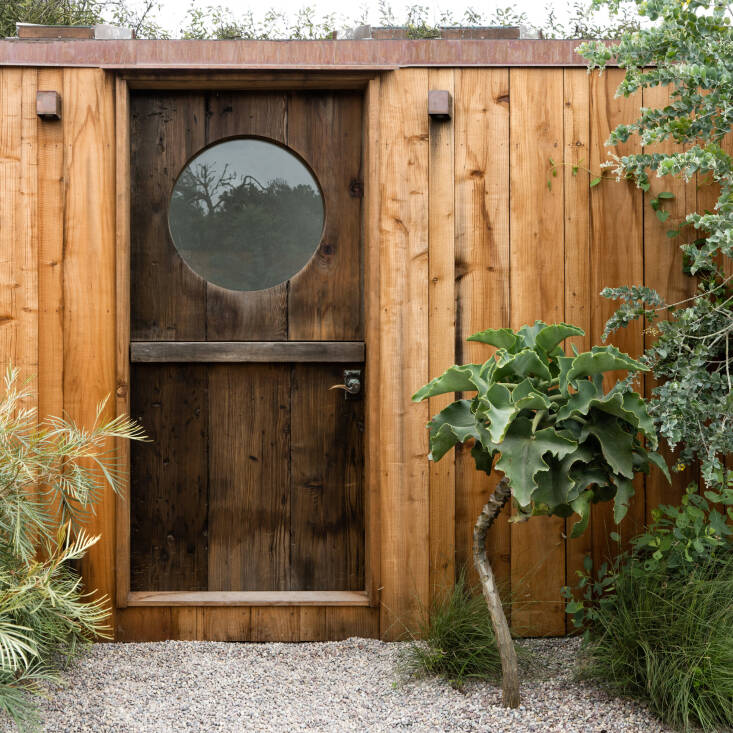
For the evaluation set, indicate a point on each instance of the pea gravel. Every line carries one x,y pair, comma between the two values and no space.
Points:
351,685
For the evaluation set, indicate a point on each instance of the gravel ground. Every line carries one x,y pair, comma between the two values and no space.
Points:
338,686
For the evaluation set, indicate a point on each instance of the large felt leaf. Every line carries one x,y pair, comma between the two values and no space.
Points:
502,338
455,424
498,407
660,463
624,492
522,453
528,333
550,336
628,406
558,486
522,364
565,364
464,378
602,359
616,443
483,457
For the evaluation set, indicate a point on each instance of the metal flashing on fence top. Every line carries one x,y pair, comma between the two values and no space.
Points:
332,56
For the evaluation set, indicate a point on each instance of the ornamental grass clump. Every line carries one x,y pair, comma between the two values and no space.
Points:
52,474
564,442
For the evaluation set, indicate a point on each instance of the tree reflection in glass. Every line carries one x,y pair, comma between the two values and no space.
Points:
246,214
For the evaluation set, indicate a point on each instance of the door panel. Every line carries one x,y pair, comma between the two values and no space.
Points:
323,301
253,479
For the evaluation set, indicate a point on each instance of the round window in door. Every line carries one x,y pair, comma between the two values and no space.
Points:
246,214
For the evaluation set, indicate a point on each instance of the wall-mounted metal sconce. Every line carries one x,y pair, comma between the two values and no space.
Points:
440,104
48,105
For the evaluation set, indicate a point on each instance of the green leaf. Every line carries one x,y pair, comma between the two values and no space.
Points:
624,492
528,334
616,444
455,379
602,359
550,336
522,364
498,407
455,424
522,456
662,215
483,457
502,338
581,506
665,195
595,181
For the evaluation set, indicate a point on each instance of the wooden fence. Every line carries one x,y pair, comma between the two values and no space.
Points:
473,223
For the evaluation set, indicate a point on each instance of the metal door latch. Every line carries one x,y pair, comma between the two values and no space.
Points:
351,385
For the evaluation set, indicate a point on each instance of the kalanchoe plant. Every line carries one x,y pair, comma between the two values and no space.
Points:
564,442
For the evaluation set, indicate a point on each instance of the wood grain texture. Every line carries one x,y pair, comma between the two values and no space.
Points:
169,479
372,311
327,482
324,299
441,335
122,333
260,315
167,298
249,477
616,259
26,233
229,352
481,115
206,599
537,292
579,299
11,126
404,499
89,281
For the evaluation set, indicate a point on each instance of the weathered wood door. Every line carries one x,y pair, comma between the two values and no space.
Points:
253,479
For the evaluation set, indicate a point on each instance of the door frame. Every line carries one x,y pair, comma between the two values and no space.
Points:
368,84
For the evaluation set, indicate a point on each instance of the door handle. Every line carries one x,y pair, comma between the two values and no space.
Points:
352,384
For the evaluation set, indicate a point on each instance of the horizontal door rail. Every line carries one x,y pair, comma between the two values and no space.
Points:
246,351
249,598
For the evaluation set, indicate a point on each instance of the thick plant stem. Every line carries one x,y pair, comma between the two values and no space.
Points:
507,653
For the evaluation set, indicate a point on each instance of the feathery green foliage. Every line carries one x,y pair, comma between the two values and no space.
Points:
456,639
666,636
686,46
51,476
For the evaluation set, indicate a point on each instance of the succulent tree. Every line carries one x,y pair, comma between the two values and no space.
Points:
564,442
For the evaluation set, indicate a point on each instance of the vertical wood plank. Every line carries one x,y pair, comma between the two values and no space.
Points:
373,446
579,299
481,276
325,297
404,500
263,314
169,478
327,481
50,255
168,298
89,281
122,359
537,292
249,477
276,623
663,272
441,335
26,264
11,126
225,624
616,259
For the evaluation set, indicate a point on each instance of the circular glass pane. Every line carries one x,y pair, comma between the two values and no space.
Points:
246,214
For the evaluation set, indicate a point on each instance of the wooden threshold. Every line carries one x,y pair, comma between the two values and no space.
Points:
249,598
246,351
